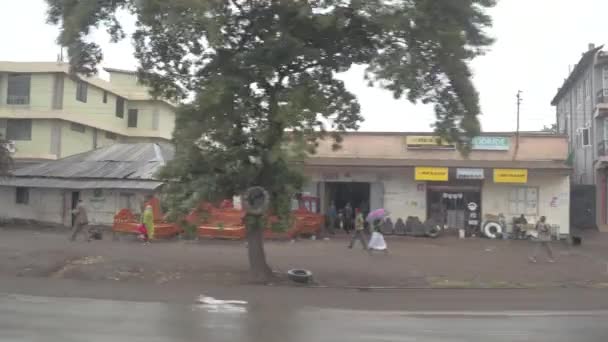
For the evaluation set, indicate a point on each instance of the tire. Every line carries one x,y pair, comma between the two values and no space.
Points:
261,205
300,276
492,229
433,231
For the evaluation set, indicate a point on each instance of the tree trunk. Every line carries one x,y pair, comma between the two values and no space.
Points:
259,270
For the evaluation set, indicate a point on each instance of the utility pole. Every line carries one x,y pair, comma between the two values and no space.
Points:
517,129
519,99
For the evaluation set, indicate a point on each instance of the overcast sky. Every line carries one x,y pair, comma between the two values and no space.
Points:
536,42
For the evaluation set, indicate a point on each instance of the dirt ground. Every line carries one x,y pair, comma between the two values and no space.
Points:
412,262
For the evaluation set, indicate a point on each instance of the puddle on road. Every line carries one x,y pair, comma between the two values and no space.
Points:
215,305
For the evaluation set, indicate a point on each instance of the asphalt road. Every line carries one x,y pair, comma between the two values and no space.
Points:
49,319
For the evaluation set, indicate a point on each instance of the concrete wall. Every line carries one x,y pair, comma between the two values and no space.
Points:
96,112
38,146
155,118
45,205
74,142
553,198
53,205
402,196
393,145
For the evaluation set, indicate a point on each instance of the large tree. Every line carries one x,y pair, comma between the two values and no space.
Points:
261,73
6,160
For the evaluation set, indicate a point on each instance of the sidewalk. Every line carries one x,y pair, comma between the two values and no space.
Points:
412,262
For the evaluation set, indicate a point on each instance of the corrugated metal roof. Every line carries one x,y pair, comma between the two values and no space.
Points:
79,184
116,162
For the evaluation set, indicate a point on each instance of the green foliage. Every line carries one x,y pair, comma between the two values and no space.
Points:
550,129
6,161
261,76
190,230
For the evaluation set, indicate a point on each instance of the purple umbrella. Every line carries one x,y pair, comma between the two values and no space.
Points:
377,214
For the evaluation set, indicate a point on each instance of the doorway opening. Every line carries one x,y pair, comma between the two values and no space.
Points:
355,193
449,205
75,199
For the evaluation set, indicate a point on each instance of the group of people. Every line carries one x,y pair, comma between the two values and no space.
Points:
81,220
354,221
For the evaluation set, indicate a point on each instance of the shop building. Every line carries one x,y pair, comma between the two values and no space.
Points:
416,174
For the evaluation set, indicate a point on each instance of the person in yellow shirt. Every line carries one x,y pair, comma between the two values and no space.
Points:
148,221
359,226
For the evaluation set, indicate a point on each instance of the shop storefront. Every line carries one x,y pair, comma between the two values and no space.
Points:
427,178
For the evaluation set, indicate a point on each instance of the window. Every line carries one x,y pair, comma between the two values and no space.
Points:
586,139
81,91
523,200
77,127
22,196
120,107
105,96
19,129
18,89
110,135
132,119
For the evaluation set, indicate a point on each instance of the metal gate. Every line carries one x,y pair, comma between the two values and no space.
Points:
582,207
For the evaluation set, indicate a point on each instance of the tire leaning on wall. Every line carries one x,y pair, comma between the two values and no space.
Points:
492,229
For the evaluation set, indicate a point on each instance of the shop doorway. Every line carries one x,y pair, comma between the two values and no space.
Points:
75,199
449,205
355,193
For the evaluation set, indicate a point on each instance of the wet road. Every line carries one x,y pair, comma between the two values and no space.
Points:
29,318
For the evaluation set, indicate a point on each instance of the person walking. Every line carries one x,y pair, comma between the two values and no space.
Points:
80,220
148,221
332,215
359,226
376,240
544,238
348,218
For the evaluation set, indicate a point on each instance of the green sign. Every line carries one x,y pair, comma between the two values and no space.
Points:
491,143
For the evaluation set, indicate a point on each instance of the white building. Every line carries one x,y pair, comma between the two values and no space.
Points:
415,174
107,179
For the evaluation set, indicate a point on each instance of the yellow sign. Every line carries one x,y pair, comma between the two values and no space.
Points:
426,141
432,174
510,176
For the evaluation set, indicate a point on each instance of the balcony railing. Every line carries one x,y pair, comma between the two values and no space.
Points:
602,96
602,148
17,100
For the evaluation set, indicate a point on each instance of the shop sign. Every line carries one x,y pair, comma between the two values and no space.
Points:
469,174
432,174
510,176
427,141
490,143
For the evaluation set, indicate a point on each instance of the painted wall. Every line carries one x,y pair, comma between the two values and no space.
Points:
166,123
73,142
553,198
399,193
94,109
39,146
403,196
45,205
53,205
41,92
155,118
104,204
392,145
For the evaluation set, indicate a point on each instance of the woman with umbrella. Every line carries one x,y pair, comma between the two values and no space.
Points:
376,241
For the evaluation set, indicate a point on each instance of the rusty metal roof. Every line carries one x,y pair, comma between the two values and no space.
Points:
118,163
